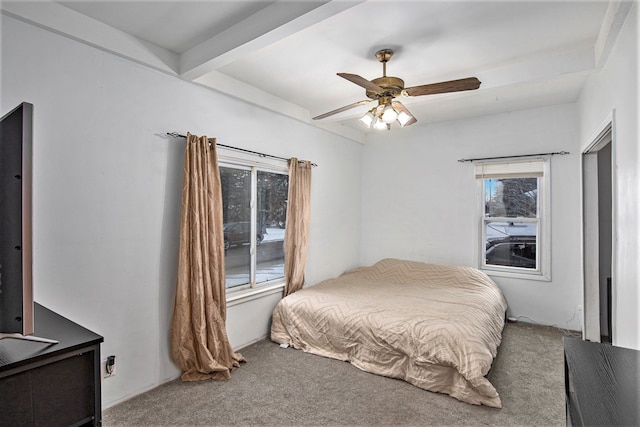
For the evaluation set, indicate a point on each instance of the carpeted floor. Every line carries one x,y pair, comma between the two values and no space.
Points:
287,387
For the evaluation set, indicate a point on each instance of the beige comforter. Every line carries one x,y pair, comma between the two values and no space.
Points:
437,327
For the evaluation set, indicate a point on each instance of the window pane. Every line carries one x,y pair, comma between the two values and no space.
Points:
272,211
511,244
511,197
236,213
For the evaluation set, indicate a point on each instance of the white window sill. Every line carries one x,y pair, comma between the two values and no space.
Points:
239,297
540,277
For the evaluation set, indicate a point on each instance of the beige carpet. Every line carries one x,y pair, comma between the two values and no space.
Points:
286,387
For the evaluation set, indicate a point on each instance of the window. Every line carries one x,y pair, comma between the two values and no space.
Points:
514,226
254,215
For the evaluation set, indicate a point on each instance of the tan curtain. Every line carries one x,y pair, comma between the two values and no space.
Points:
296,238
199,342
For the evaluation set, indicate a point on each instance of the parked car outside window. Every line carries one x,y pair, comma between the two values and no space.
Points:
239,233
512,251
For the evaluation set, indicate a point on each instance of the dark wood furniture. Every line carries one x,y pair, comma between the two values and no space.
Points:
602,384
52,385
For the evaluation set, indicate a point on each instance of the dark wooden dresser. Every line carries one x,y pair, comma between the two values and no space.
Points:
602,384
51,385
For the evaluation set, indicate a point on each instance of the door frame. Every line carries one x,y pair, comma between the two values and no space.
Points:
590,238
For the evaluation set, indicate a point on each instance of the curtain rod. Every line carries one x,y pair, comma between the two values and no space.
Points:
561,153
177,135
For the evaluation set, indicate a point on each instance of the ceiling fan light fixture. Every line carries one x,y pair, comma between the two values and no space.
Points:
379,124
389,115
367,119
403,118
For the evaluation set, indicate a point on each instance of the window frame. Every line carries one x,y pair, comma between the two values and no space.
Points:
251,290
543,221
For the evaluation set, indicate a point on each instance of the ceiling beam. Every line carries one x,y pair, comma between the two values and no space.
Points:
69,23
230,86
611,25
348,132
567,60
270,25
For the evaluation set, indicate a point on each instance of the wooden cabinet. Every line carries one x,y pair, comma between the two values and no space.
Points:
52,385
602,384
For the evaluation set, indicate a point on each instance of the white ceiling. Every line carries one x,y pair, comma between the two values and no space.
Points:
284,55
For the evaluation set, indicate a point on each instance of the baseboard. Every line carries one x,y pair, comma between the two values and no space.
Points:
247,344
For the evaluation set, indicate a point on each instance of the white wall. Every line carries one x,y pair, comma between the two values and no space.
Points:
420,203
615,87
107,187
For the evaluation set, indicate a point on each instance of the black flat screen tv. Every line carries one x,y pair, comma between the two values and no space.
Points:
16,287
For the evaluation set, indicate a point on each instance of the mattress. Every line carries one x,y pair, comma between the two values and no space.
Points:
437,327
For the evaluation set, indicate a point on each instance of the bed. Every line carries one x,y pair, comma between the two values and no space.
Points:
437,327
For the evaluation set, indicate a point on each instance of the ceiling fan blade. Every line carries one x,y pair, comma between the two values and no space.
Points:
361,81
399,106
470,83
341,109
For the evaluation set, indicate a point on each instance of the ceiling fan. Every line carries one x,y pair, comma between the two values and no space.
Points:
386,88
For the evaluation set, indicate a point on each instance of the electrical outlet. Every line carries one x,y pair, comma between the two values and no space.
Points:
108,367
